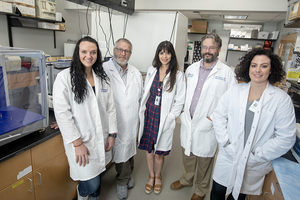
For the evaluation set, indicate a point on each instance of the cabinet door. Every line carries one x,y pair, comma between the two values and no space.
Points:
22,189
14,169
46,151
271,188
52,180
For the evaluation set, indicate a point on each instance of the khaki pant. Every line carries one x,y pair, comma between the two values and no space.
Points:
124,171
199,168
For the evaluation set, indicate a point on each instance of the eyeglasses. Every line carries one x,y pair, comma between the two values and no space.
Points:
209,48
122,50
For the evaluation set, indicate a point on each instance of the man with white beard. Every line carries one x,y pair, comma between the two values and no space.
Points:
127,85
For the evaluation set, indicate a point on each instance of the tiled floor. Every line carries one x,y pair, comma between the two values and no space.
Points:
171,172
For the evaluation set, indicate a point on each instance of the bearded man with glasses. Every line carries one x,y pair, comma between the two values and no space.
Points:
127,85
207,81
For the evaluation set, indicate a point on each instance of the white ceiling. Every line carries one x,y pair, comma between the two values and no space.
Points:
253,17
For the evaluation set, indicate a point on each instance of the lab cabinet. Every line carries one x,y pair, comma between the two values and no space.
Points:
23,93
40,173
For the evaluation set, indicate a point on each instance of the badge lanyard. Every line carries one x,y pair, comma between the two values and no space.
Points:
158,97
159,89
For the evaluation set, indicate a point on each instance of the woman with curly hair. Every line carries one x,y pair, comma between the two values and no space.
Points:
86,116
254,123
161,104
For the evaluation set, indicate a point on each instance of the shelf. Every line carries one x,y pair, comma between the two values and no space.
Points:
235,50
237,38
196,33
6,13
252,39
13,20
292,24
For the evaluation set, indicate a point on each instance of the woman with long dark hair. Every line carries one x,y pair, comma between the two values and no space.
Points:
86,116
162,102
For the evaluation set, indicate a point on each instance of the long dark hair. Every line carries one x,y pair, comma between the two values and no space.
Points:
77,71
173,66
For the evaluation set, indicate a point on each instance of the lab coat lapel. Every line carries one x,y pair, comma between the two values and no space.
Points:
150,80
268,94
130,75
115,73
244,93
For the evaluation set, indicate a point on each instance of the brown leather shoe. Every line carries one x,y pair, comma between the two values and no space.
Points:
196,197
177,185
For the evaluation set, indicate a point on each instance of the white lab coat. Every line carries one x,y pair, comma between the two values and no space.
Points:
197,134
127,100
91,121
242,169
171,106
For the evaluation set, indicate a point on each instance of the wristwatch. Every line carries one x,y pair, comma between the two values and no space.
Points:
112,135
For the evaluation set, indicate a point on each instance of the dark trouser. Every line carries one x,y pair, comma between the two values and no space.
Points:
90,187
124,171
218,193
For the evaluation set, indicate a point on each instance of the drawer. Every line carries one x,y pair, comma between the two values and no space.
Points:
14,169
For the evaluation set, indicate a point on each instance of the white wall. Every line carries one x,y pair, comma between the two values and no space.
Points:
43,39
230,5
145,30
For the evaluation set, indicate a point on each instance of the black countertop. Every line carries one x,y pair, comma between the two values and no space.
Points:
22,144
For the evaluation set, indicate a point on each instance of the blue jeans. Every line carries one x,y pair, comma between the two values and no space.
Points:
90,187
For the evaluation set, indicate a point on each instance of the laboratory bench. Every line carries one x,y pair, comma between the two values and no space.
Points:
35,167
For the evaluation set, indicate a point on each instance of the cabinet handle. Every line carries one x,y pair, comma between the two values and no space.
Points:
41,182
265,195
31,185
278,186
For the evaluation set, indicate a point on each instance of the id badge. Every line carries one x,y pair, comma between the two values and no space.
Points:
157,100
253,106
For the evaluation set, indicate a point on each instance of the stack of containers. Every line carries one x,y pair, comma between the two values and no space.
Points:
26,7
46,9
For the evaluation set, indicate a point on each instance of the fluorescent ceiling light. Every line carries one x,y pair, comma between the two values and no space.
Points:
235,16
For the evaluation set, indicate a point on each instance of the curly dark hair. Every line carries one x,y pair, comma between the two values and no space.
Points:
277,71
173,66
77,71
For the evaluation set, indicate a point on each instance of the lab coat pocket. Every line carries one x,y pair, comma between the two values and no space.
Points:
207,125
228,151
258,165
169,124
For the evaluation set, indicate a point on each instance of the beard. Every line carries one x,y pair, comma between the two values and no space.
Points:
211,59
121,62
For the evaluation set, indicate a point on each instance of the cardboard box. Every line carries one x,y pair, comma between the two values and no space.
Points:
199,26
254,33
271,188
263,35
7,7
273,35
294,12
